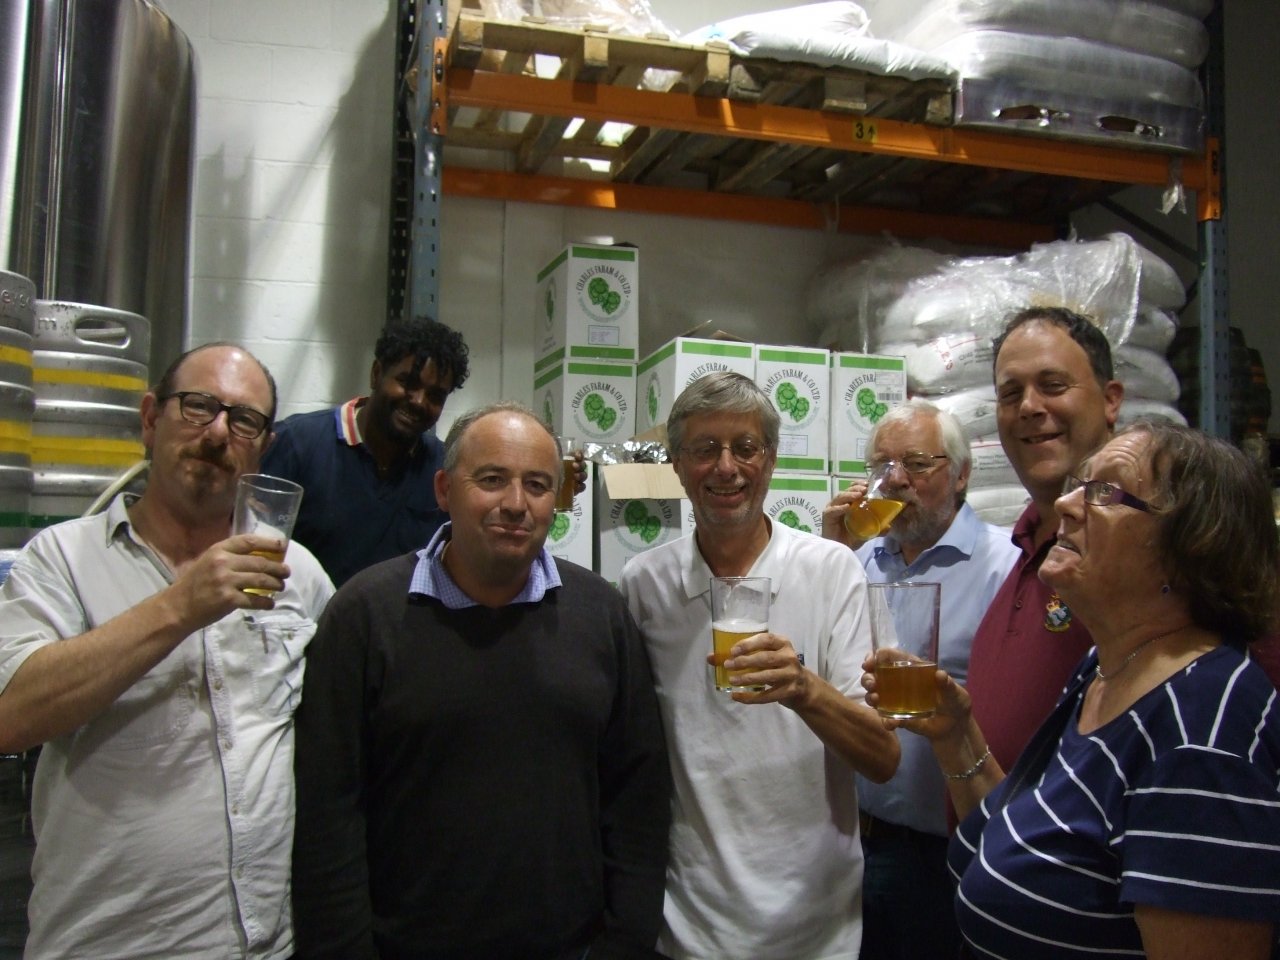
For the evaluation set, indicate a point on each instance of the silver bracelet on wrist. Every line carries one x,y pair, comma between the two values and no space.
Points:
972,771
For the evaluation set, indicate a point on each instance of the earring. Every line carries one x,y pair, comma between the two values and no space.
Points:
1164,589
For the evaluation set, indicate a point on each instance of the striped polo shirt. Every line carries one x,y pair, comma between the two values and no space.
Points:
1175,804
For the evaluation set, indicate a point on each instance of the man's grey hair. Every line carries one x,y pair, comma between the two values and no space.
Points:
453,442
723,392
954,442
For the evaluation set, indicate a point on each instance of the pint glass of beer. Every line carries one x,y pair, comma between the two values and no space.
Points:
568,474
268,507
739,609
904,636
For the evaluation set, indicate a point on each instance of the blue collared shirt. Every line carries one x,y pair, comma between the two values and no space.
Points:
431,579
971,561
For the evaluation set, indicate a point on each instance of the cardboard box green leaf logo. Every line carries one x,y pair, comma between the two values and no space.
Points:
869,406
792,519
559,527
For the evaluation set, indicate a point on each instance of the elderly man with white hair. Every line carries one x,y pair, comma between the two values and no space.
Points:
907,894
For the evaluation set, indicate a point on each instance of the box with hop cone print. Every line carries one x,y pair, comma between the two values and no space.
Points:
572,533
586,304
591,401
637,509
668,370
864,388
797,381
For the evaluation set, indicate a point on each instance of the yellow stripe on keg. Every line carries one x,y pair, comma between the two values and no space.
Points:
23,358
15,430
90,451
86,378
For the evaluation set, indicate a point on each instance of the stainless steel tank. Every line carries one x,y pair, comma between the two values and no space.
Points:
17,402
90,374
97,120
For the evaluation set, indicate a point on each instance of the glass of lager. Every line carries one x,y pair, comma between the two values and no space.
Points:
904,636
872,514
739,609
568,474
266,506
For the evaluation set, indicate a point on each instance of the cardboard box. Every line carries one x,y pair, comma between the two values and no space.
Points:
572,534
797,500
593,402
864,388
587,304
637,508
661,376
798,381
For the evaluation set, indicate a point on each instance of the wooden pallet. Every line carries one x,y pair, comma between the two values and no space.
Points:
652,154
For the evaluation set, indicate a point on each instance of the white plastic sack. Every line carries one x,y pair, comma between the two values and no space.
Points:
1137,25
1132,408
991,468
944,364
1153,329
1160,285
1146,375
975,408
999,505
1060,64
825,34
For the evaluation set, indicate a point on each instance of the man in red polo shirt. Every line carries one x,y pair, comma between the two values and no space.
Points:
1057,402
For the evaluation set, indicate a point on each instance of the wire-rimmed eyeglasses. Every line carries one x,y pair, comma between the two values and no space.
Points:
1099,493
202,409
916,464
746,450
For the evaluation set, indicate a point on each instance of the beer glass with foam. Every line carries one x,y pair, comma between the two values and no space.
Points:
268,507
904,636
739,609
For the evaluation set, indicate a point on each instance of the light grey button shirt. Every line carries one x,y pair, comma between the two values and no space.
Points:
164,826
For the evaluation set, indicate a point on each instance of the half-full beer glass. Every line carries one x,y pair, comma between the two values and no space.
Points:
739,609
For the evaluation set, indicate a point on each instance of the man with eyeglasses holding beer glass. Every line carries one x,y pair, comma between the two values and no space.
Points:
164,692
764,860
922,452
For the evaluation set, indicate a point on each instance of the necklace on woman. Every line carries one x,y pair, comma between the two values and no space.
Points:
1097,670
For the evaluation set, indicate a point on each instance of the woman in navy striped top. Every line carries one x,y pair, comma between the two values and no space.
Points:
1144,817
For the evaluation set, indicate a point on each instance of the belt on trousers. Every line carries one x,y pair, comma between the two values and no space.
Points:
873,828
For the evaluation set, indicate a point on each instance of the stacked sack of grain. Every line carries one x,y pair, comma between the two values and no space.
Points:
942,312
1020,63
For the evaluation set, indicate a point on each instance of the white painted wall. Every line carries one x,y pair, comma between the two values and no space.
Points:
293,166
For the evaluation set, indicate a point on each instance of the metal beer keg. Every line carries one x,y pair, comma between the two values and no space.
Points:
90,374
17,403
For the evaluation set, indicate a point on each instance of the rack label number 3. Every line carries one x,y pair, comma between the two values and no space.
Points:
864,131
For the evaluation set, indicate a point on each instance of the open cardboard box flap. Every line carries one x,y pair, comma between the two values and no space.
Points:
641,481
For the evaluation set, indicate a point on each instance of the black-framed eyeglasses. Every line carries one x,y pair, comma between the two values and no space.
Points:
202,409
746,450
1099,493
916,464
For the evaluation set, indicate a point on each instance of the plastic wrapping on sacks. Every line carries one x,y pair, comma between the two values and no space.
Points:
1137,25
990,466
946,364
975,408
631,17
843,296
1096,278
999,505
1060,64
1022,82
